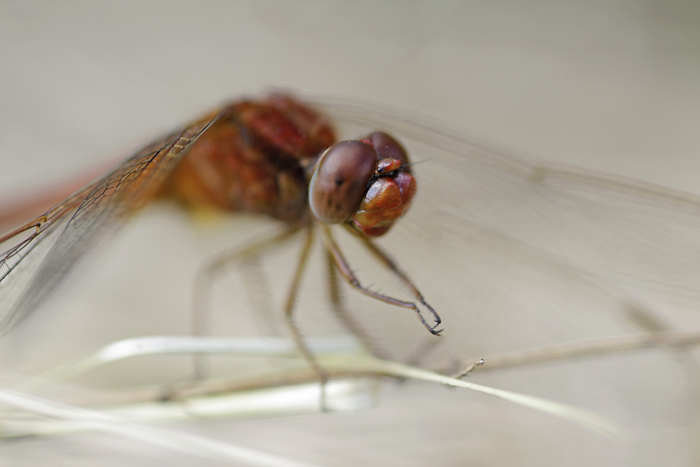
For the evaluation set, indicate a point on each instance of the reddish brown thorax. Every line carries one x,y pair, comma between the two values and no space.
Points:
251,159
255,158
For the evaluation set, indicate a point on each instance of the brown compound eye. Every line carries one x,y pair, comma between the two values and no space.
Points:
340,180
388,148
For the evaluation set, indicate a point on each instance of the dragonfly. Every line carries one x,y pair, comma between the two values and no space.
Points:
268,157
514,252
276,157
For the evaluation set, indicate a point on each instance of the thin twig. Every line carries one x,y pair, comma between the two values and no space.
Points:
469,369
588,348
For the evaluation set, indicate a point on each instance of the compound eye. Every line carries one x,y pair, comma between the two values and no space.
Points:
388,147
340,180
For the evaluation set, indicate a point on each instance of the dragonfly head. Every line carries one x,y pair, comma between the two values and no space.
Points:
366,182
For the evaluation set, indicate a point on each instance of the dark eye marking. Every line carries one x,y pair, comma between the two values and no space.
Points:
340,180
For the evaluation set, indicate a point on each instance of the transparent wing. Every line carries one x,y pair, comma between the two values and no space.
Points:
45,249
495,239
517,254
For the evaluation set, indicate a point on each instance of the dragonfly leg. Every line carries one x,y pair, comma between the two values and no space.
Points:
289,314
344,316
211,270
347,274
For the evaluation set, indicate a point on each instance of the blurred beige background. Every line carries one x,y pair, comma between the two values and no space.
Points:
610,86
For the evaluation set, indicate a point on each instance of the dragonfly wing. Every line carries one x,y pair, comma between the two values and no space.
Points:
48,247
516,239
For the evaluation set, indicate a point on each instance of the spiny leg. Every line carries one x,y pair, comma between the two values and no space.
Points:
389,263
211,270
289,312
425,347
342,313
347,274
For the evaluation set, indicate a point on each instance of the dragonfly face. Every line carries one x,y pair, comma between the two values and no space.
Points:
367,183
